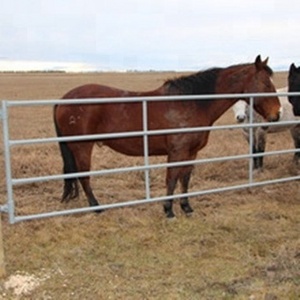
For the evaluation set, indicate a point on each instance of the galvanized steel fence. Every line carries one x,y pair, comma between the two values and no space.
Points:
12,182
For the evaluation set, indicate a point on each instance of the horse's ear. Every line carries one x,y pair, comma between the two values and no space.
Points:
265,62
292,69
258,59
258,63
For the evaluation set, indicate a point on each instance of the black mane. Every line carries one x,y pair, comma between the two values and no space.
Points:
196,84
200,83
269,70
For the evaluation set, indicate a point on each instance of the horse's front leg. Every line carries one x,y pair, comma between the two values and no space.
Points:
183,174
257,145
295,132
257,160
171,182
260,142
184,180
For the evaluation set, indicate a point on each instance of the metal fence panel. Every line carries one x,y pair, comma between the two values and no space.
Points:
11,182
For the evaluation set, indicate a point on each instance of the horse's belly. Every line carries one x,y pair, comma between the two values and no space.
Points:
135,146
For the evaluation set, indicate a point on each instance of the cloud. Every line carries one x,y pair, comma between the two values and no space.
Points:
24,66
156,34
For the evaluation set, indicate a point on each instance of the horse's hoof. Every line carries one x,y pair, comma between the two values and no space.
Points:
189,214
99,211
170,215
187,209
258,171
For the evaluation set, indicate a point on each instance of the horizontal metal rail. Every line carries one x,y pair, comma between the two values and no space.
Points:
90,137
11,103
28,180
154,199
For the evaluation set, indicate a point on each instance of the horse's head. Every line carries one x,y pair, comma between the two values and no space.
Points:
259,80
294,86
239,110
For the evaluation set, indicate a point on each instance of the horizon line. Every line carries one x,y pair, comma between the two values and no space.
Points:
30,66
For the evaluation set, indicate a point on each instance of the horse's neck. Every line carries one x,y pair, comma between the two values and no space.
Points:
230,81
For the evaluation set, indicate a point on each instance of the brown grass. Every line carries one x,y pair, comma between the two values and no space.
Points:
237,245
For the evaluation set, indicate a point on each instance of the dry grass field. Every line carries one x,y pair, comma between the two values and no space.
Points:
237,245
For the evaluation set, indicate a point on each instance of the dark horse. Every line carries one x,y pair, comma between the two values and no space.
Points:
294,86
85,119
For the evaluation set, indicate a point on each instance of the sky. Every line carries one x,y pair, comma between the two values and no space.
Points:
121,35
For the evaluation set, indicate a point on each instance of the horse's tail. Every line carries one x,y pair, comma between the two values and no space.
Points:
70,184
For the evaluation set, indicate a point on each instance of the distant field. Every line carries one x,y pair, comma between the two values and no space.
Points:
237,245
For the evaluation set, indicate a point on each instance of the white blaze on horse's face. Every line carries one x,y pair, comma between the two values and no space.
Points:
280,113
239,109
279,90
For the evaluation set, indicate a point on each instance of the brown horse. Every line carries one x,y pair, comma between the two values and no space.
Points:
85,119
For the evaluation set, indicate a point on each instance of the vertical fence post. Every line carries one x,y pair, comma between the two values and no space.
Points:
251,141
10,202
146,152
2,264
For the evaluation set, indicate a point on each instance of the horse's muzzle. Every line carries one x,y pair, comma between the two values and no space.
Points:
274,118
240,119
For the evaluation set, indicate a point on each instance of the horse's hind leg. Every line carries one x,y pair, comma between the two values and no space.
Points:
85,183
184,202
82,154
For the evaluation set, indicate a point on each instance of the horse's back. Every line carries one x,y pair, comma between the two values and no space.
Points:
94,91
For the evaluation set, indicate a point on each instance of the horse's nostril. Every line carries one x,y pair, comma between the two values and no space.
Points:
240,119
274,118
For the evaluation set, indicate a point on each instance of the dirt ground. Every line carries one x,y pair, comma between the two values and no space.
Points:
237,245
